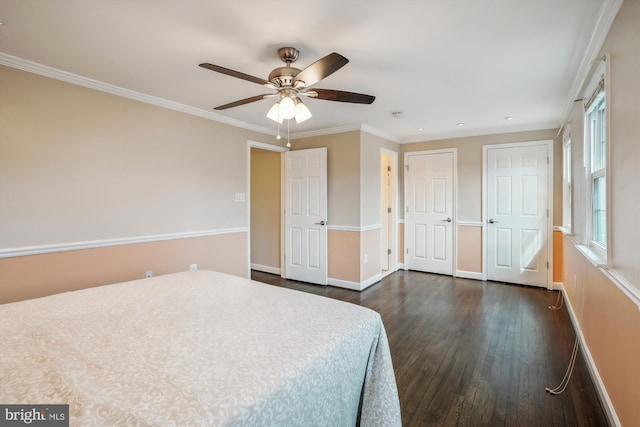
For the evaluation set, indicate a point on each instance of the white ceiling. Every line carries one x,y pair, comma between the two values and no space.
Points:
439,62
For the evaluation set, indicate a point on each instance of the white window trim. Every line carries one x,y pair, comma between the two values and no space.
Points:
567,180
600,254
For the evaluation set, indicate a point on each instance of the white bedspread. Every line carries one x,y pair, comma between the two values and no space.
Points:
199,348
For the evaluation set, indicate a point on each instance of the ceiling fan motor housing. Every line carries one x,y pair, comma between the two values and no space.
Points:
283,76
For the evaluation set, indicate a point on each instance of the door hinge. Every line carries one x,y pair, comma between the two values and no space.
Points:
547,159
389,168
547,265
407,167
407,251
388,251
388,210
547,213
407,209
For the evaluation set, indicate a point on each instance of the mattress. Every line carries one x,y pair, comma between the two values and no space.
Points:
199,348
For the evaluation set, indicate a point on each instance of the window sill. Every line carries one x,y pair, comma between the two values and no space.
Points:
594,257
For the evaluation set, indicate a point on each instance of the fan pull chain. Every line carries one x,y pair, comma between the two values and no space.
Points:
567,376
288,138
558,304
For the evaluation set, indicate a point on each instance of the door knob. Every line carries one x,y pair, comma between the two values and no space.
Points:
321,223
491,221
447,220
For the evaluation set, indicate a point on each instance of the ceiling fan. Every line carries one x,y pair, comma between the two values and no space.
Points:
290,83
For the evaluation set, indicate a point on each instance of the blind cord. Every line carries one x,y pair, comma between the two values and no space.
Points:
565,381
567,375
558,304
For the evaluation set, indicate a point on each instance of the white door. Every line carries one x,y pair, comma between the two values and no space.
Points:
429,212
517,214
305,215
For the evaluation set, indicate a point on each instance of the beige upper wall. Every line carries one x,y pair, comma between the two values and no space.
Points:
343,170
470,167
576,131
77,164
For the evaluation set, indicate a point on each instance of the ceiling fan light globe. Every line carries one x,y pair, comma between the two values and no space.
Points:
286,108
302,112
273,114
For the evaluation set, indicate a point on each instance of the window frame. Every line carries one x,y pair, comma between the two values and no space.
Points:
567,180
596,121
596,148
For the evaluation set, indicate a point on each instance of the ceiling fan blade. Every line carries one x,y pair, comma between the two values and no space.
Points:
243,101
236,74
320,69
341,96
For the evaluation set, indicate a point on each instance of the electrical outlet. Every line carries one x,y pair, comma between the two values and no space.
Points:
148,274
240,197
193,267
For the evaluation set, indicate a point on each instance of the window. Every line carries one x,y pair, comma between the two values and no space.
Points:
596,150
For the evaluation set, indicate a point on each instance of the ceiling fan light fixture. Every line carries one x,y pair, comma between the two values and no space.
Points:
274,115
302,112
286,108
290,82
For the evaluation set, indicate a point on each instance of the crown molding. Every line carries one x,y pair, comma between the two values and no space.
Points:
54,73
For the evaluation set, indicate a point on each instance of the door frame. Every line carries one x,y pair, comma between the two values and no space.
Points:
394,202
269,147
485,196
454,226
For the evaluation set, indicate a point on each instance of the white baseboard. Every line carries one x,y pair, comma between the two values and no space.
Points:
355,286
370,281
593,369
557,286
469,274
265,269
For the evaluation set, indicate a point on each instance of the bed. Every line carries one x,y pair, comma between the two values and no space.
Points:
199,348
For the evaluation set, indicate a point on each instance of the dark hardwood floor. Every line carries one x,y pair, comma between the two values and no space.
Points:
472,353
